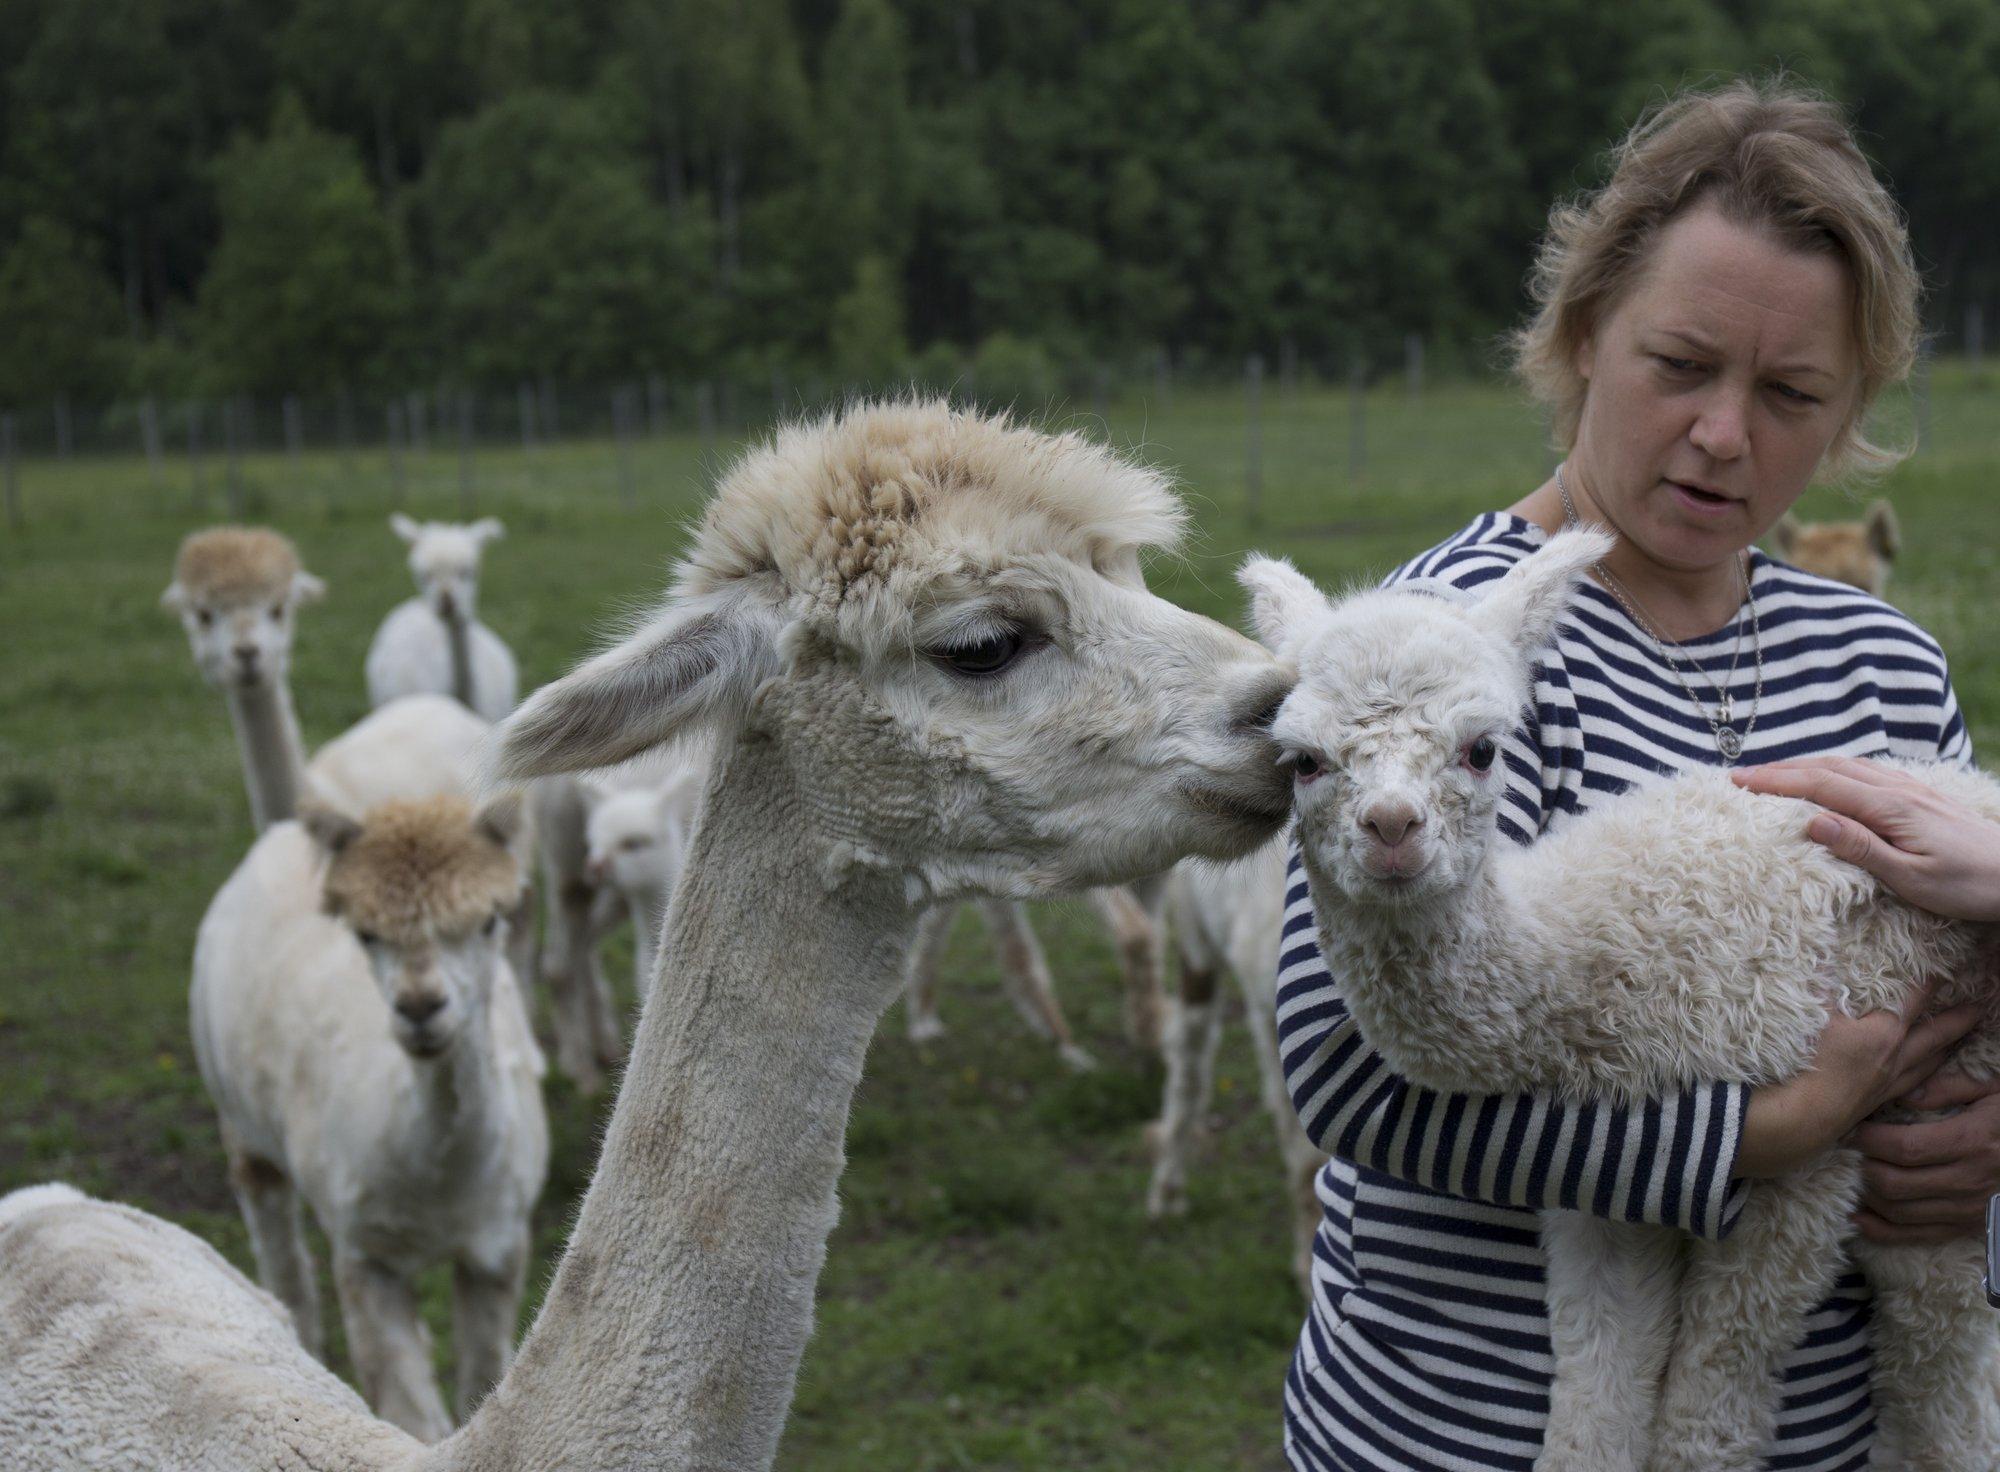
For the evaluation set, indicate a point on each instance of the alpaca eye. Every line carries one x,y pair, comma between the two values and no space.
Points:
1479,756
1305,766
492,924
987,657
636,841
367,937
277,613
203,617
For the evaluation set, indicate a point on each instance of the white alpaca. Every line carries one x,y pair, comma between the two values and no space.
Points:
1131,912
368,1054
923,643
1683,931
434,643
636,839
237,591
1228,918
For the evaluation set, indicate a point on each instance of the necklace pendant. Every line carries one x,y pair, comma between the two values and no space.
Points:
1728,709
1728,742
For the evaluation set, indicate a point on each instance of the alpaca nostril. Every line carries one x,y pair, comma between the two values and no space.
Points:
420,1008
1392,825
247,653
1259,707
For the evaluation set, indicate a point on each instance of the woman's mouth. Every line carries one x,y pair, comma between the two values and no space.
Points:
1702,502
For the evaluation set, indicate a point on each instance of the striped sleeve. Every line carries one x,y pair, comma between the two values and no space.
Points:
1665,1162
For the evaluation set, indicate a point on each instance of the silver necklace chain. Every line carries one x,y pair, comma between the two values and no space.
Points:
1728,740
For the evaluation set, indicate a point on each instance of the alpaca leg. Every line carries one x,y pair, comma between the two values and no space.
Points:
486,1303
1024,971
920,974
1743,1306
575,984
389,1345
1937,1345
272,1212
1193,1029
1612,1311
1303,1159
1132,912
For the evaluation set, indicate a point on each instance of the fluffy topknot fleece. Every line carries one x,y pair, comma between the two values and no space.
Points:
842,508
236,564
409,868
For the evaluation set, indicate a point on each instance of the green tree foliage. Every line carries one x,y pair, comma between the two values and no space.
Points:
63,322
774,189
307,288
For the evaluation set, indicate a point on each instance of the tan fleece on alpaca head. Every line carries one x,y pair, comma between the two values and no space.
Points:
411,868
887,483
236,564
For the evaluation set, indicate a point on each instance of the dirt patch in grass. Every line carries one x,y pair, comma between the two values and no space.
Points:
120,1150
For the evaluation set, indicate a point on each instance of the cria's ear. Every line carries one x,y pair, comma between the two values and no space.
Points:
1526,605
500,818
329,827
306,588
1883,533
403,527
175,598
694,663
1785,535
1283,602
487,529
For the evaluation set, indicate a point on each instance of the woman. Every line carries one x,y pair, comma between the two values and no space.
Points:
1713,326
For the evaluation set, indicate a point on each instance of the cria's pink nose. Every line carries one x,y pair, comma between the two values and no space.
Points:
1391,822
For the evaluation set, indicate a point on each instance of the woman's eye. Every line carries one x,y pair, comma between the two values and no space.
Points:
987,657
1787,392
1479,755
1679,365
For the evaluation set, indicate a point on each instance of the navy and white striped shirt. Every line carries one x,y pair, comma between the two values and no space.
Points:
1426,1344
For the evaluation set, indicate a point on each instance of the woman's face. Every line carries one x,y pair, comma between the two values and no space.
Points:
1713,389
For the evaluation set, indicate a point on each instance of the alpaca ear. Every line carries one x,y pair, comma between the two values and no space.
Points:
1283,601
694,663
594,789
501,817
403,527
306,588
1526,605
329,827
1883,533
487,529
175,598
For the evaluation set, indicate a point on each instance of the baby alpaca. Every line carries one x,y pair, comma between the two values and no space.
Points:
1568,967
1855,552
364,1041
434,643
636,840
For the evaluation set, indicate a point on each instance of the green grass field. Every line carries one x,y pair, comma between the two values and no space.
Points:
994,1296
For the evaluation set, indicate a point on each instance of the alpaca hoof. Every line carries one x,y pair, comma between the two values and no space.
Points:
926,1030
1075,1059
1166,1196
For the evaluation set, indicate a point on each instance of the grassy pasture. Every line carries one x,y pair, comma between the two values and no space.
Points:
994,1296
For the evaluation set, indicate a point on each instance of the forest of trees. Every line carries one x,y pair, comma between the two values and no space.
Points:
311,196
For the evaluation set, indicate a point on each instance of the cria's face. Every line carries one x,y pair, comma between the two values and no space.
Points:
1393,743
629,838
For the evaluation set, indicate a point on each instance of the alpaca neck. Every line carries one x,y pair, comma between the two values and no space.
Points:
457,1099
274,759
1437,987
458,635
672,1332
649,914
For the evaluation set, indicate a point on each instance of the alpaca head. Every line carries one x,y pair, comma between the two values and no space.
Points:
635,835
425,887
444,559
937,622
236,589
1858,553
1393,734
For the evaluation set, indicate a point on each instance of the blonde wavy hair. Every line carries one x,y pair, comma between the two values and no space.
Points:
1771,155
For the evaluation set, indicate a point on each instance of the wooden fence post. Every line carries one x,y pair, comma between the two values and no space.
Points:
197,489
465,487
1357,417
149,436
13,475
395,416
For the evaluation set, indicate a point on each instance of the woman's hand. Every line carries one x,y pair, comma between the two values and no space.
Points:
1930,1182
1928,849
1860,1064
